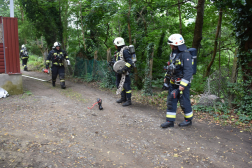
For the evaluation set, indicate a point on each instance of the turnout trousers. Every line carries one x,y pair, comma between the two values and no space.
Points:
24,63
175,95
126,92
58,70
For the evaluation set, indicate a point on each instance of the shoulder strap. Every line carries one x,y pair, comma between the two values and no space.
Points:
121,52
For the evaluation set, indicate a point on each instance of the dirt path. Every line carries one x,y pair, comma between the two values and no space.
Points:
52,128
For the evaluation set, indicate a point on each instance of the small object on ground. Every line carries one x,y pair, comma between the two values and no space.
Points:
46,71
99,102
3,93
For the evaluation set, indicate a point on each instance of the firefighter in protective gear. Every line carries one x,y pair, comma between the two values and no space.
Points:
180,82
57,57
24,56
126,92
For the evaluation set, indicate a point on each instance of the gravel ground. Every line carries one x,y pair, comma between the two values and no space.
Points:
48,127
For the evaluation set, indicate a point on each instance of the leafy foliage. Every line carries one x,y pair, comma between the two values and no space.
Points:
86,26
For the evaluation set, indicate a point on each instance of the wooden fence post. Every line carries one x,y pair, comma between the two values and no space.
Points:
108,55
94,64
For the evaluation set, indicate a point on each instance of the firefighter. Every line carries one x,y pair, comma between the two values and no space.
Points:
24,56
57,56
181,72
123,53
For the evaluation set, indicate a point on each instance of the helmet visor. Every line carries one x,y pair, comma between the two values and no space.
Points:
170,42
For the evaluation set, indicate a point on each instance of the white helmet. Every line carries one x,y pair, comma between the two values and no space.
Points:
23,46
176,40
56,44
119,41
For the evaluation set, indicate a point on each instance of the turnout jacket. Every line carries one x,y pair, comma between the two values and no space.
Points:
183,66
57,57
126,56
23,54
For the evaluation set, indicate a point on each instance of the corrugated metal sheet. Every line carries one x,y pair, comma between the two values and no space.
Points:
11,47
2,67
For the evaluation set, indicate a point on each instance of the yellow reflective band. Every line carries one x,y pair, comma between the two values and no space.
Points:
171,82
127,64
62,80
183,83
122,89
188,116
128,91
55,63
60,64
47,61
178,63
55,54
170,116
60,52
117,55
66,56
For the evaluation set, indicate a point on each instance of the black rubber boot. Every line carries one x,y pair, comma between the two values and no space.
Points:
53,83
62,84
127,103
167,124
120,100
25,68
123,98
185,123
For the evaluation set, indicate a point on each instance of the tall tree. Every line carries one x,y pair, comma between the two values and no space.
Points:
198,25
242,22
217,35
46,18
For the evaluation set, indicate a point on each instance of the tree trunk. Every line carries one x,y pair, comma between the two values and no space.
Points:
215,44
246,62
151,63
129,22
108,55
107,36
233,77
198,25
180,22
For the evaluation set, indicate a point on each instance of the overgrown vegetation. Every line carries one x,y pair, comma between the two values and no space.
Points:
89,26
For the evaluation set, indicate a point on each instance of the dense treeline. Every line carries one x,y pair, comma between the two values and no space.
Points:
221,31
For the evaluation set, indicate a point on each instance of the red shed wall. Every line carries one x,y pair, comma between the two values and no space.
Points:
2,65
11,47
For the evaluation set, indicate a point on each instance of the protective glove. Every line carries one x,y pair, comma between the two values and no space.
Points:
165,86
68,62
111,63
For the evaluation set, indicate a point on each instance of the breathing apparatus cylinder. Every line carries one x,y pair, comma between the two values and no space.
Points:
133,53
